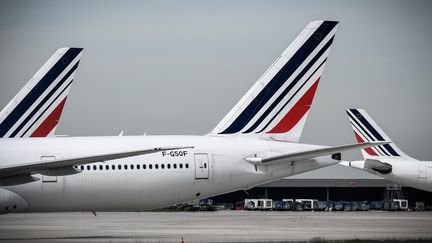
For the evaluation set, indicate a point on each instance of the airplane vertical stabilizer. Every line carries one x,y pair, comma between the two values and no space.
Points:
277,106
367,130
36,109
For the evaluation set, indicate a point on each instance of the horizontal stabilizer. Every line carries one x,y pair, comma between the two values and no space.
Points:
310,154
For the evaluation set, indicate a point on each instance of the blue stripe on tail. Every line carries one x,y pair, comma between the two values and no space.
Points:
38,90
290,86
280,78
44,100
373,131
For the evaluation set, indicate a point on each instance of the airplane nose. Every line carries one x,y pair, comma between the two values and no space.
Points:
10,202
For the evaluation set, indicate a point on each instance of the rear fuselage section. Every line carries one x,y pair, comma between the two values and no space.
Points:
212,166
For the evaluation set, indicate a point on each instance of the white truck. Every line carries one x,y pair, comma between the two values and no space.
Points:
402,203
258,204
308,204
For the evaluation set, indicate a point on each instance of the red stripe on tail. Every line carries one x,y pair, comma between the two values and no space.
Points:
50,122
368,150
297,112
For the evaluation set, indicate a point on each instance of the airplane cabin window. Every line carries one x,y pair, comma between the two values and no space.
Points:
119,167
175,166
100,167
125,167
132,167
88,167
107,167
156,166
187,165
181,166
82,167
169,166
162,166
144,166
113,167
94,167
150,166
138,166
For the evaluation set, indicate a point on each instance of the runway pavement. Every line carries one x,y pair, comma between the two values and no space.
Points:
222,226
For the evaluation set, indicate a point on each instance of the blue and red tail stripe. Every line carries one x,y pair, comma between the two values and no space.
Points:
360,130
368,131
21,110
289,89
50,122
292,97
368,150
279,79
45,99
297,111
49,118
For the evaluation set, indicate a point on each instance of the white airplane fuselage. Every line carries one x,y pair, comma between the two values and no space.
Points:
213,165
412,173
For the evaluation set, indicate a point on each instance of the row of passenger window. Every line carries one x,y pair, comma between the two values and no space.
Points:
132,167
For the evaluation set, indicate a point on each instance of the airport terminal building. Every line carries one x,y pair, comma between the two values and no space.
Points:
349,185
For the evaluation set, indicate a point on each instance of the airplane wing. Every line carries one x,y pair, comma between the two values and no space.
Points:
65,165
310,154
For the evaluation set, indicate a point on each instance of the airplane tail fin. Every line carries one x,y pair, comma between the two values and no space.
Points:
277,106
36,109
367,130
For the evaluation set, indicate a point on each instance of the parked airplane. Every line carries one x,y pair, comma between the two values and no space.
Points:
254,144
36,109
387,161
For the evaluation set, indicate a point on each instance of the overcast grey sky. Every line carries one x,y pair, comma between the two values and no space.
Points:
177,67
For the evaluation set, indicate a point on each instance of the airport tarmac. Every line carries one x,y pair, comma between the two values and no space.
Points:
222,226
